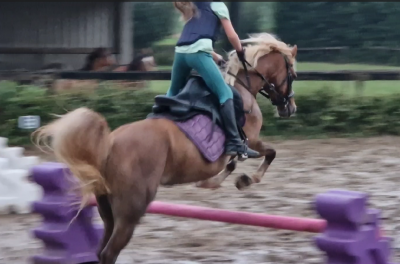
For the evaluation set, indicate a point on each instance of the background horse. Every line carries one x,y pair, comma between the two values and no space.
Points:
124,168
101,59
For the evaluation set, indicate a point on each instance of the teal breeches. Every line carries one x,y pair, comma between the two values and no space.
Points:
204,64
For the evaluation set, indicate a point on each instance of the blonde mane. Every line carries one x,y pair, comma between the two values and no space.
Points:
262,44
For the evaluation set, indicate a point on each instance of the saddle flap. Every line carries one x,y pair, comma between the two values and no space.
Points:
194,98
163,100
194,89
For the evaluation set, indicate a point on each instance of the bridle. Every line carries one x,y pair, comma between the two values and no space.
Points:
267,87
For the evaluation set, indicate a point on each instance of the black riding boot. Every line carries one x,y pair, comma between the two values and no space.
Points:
234,145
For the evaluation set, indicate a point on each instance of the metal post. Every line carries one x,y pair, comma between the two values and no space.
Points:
126,32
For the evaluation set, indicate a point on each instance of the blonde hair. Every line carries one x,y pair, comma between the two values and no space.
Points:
187,10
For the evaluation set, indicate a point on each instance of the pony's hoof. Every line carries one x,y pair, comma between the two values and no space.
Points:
243,181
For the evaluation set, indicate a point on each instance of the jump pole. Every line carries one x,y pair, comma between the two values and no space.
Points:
299,224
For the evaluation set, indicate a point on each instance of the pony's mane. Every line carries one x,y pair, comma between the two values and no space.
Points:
257,46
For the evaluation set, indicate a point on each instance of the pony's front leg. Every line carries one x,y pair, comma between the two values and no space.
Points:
215,181
269,155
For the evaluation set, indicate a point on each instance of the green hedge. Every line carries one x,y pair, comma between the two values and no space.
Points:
322,114
164,53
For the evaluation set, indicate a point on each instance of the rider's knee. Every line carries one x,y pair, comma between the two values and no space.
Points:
225,95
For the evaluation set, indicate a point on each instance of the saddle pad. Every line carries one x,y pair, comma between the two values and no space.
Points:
207,136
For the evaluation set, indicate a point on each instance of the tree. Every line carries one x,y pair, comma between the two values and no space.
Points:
357,25
249,17
153,21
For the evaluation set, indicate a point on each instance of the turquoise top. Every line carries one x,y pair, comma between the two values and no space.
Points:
221,10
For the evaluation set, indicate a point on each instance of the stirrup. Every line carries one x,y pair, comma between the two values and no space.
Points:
243,157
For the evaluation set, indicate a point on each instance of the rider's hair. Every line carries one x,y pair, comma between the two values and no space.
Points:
187,10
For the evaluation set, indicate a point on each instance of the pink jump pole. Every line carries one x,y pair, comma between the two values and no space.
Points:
236,217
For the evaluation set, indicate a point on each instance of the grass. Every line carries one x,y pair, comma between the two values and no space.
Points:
371,88
321,66
167,41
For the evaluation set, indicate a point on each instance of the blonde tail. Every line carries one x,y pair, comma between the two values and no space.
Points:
80,139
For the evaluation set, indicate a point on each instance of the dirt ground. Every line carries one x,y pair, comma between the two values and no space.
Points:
301,170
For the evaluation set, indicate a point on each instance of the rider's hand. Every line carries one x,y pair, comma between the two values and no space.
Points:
217,57
221,63
241,55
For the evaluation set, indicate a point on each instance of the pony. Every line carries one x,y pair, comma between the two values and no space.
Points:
124,168
101,59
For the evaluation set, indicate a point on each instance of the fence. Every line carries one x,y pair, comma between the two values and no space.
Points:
302,75
380,55
359,77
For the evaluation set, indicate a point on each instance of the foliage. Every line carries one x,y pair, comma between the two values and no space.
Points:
255,17
164,53
322,114
358,25
153,21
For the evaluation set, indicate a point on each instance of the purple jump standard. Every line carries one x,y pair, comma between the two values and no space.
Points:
63,242
349,231
352,232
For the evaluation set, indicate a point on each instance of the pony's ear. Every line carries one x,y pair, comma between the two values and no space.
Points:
294,51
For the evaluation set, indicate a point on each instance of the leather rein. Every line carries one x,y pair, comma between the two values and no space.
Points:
267,87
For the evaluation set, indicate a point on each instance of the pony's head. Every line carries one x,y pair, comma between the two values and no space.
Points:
272,71
98,59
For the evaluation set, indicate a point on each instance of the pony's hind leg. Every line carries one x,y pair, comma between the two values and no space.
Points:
106,214
269,155
129,204
215,181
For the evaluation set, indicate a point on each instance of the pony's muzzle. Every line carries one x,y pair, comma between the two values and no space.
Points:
287,110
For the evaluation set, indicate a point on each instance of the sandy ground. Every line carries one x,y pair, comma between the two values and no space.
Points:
301,170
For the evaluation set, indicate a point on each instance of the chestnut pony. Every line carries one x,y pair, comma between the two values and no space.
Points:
124,168
101,59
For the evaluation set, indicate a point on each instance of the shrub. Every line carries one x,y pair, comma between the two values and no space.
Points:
323,114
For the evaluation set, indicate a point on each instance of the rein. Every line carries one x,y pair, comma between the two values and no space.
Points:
268,87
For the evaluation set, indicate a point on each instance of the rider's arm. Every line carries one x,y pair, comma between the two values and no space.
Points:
231,34
221,10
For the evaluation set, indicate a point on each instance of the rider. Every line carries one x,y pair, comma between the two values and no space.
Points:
194,50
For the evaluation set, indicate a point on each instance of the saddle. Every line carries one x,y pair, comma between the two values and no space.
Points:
195,99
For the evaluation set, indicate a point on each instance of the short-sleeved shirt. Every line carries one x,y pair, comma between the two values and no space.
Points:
221,10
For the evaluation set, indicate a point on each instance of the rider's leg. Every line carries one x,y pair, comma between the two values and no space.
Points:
180,72
203,63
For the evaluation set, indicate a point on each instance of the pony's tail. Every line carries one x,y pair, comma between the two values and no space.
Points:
80,139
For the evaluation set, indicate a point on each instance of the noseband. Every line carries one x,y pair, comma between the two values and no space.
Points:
269,88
